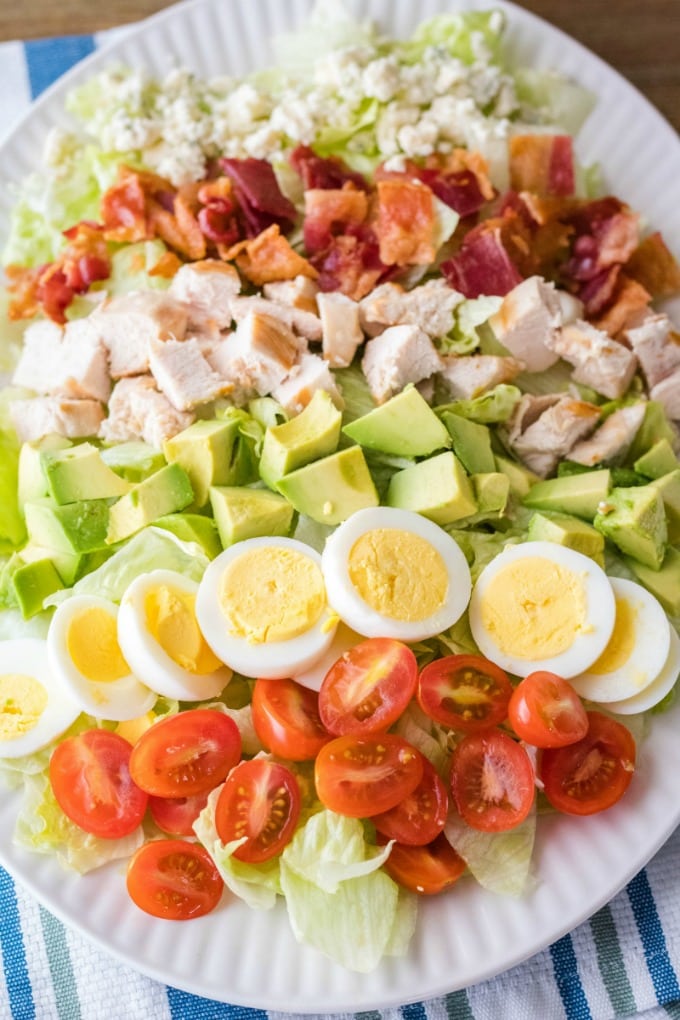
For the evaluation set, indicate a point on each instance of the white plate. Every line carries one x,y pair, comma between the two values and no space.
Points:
248,957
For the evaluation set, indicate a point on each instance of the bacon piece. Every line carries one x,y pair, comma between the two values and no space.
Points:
268,257
352,264
329,212
606,235
324,172
260,199
123,208
654,266
483,265
405,223
542,164
628,299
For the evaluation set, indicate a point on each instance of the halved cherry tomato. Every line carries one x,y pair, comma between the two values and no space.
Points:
546,711
90,777
421,815
492,781
364,776
369,687
174,879
425,869
466,692
176,815
592,774
186,754
261,801
286,719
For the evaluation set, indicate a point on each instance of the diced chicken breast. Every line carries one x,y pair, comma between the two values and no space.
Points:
138,410
667,392
75,419
468,376
183,374
300,292
399,355
610,443
207,288
553,433
304,323
529,409
312,373
599,362
127,323
429,306
655,345
258,355
70,361
342,333
527,321
571,306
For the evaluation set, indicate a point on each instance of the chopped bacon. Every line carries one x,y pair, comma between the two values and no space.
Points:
483,265
459,179
324,172
352,264
542,163
606,235
329,211
405,223
269,257
259,196
627,300
654,266
167,265
123,208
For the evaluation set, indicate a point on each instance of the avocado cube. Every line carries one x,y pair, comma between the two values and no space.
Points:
73,528
471,443
574,494
437,488
663,583
659,460
520,477
331,489
491,491
668,486
249,513
166,492
207,451
655,426
79,473
568,531
134,460
634,519
193,528
405,425
313,433
32,483
32,583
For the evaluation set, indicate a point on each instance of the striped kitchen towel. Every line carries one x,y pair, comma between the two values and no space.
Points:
623,962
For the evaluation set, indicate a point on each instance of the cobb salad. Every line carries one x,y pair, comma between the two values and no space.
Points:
309,356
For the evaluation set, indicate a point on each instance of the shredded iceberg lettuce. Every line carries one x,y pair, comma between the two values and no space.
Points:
500,861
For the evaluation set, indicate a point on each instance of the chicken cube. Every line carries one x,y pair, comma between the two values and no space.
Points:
138,410
40,416
342,333
399,355
468,376
69,360
305,324
258,355
206,287
612,440
430,306
599,362
127,323
547,439
667,392
300,292
527,321
183,374
655,345
309,375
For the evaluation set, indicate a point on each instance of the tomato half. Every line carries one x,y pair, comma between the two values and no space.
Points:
492,781
465,692
592,774
174,879
286,719
261,801
186,754
90,777
369,687
364,776
421,815
425,869
176,815
546,711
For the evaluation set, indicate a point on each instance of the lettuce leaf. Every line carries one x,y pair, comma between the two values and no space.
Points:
500,861
460,34
492,407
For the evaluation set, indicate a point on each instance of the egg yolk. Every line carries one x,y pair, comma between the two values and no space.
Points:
23,700
621,643
92,644
398,574
171,619
533,608
272,594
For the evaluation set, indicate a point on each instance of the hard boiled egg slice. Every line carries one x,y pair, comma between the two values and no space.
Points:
344,639
637,649
159,635
392,573
542,606
34,707
83,649
658,689
263,608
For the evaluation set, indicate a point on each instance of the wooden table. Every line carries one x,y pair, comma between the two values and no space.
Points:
641,38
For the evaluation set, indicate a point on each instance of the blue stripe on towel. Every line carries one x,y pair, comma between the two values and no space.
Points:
568,980
14,953
48,59
660,968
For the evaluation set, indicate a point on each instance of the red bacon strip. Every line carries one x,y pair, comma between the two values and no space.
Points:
260,199
542,163
324,172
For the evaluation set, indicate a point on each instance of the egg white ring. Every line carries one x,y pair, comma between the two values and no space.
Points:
117,700
147,659
659,687
28,657
313,676
620,684
586,647
362,617
296,654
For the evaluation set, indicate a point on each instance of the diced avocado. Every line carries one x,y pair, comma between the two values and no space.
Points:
437,488
635,521
32,583
663,583
193,528
568,531
491,491
80,473
134,460
405,426
668,486
207,450
655,426
313,433
73,528
331,489
248,513
471,443
657,461
166,492
576,494
521,478
32,483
